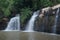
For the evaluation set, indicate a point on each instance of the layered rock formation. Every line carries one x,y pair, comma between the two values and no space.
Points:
46,20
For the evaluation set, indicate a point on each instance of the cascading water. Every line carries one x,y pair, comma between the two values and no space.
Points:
54,27
14,24
30,24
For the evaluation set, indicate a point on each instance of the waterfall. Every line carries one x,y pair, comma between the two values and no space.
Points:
30,24
54,27
14,24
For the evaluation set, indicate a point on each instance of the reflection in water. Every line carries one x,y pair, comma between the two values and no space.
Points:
31,36
25,36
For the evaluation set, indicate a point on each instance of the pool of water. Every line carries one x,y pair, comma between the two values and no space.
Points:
17,35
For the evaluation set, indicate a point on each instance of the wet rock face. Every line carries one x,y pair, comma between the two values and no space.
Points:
45,21
38,24
3,23
58,23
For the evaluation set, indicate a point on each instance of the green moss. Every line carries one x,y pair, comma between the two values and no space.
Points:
25,13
